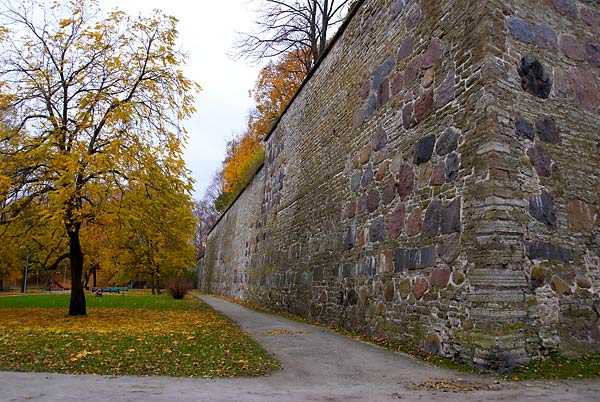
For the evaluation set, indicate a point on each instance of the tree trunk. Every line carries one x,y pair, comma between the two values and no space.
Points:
77,304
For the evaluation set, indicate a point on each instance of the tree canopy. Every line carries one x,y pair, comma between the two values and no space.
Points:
91,105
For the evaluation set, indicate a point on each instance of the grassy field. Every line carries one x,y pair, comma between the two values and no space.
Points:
125,335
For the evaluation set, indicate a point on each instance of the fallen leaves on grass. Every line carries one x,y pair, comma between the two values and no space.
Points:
113,341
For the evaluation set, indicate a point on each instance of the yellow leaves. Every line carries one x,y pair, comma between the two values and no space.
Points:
285,332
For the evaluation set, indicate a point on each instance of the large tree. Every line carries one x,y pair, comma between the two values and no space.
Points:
298,27
91,100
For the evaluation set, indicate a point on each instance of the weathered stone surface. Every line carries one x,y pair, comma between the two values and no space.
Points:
545,37
406,180
414,223
541,159
371,106
547,130
388,292
349,209
413,18
397,8
432,344
381,72
537,277
379,139
373,200
397,83
427,78
383,93
440,277
538,250
520,30
363,295
355,181
382,170
359,118
593,51
562,88
445,92
573,47
406,47
376,229
424,149
404,288
396,225
423,106
350,240
362,204
585,88
561,287
567,8
523,128
407,115
450,217
388,193
452,167
420,287
433,54
424,175
367,177
397,162
438,177
534,79
412,72
415,258
590,16
365,89
458,278
582,216
448,142
433,215
365,154
449,249
583,282
541,207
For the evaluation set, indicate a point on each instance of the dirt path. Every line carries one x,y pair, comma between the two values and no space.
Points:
318,365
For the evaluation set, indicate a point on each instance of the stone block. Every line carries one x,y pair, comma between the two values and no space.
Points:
438,176
523,128
388,193
350,239
404,288
406,47
448,142
520,30
573,47
379,139
396,223
388,292
541,160
450,217
582,216
541,207
433,54
585,88
382,170
414,223
417,258
593,51
534,79
424,149
365,154
568,8
433,216
545,37
373,200
367,177
445,92
452,167
423,106
420,287
377,230
406,180
538,250
440,277
449,248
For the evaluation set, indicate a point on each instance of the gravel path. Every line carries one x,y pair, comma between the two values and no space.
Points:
318,365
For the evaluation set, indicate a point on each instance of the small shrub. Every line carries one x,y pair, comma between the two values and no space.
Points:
178,287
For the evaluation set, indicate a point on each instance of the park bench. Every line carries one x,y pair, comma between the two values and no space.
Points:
111,289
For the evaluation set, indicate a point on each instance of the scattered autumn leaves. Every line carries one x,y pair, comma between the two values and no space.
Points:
195,342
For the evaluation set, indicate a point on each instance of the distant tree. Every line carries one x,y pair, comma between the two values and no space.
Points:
298,27
93,100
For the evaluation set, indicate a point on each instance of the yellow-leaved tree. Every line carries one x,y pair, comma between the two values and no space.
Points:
92,102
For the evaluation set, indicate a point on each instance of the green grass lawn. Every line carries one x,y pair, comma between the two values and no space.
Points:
125,335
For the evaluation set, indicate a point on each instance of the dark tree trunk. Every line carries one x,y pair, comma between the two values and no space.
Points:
77,304
94,277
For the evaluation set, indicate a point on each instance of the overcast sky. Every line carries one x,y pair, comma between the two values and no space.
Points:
206,32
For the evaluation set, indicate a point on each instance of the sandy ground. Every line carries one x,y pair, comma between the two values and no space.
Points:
318,365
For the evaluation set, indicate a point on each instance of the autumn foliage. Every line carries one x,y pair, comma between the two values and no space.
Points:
276,85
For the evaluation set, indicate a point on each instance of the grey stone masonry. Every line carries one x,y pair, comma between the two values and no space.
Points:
435,181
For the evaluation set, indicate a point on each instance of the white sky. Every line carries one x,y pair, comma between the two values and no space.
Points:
206,32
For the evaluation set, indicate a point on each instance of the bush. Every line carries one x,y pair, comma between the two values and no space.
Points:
178,287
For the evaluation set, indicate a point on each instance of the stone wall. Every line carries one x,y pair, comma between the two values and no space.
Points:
436,180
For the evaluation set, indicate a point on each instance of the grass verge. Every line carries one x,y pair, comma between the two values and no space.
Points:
126,335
